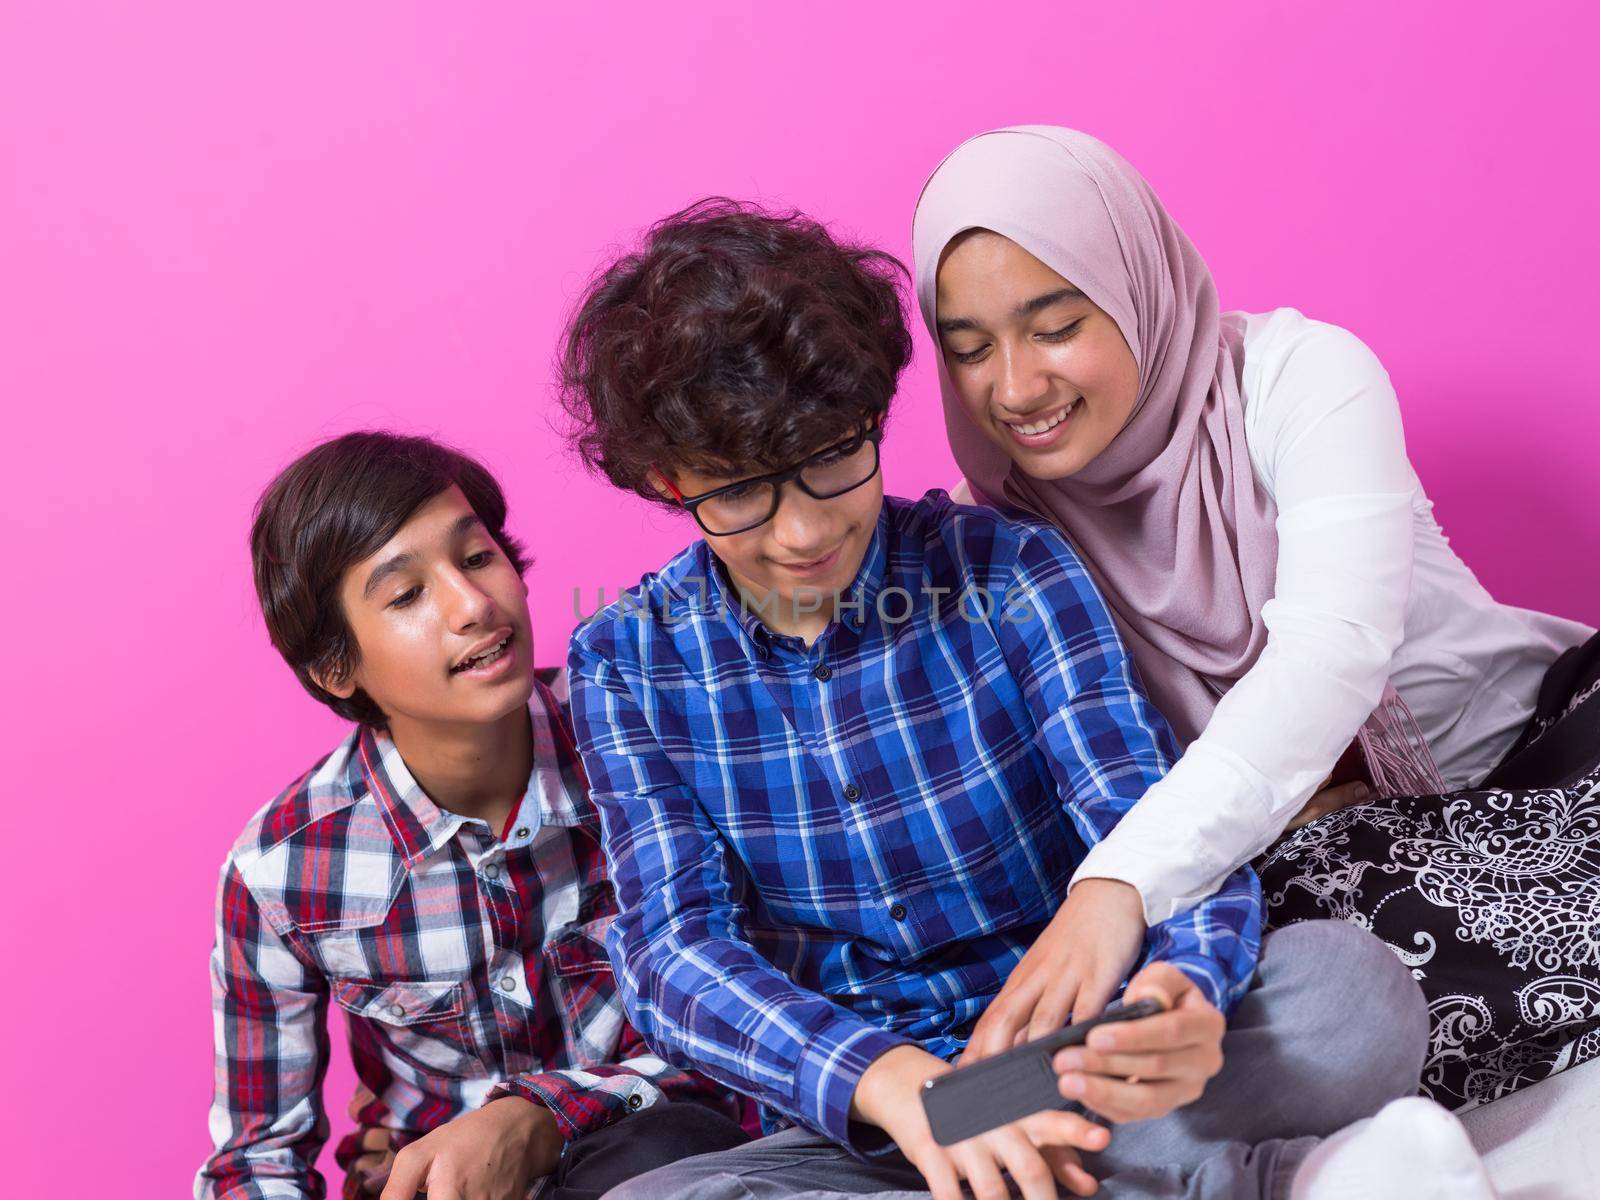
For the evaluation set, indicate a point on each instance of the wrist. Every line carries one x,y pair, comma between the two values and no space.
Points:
1116,891
891,1082
532,1127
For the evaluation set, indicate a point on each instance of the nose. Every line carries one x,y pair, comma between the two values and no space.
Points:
467,606
1020,383
803,524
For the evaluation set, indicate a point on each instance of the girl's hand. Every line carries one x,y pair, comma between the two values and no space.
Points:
1072,971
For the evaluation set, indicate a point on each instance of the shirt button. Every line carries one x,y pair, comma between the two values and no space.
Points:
897,911
636,1102
852,792
523,832
492,871
823,673
396,1010
507,983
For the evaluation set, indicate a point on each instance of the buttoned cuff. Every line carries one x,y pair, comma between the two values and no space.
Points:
834,1060
580,1101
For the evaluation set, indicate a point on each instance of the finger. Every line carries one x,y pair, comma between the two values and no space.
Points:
1069,1170
1163,1033
1166,1064
937,1170
1120,1101
1057,1127
1161,982
376,1138
374,1177
975,1160
407,1176
1095,994
1054,1006
360,1100
1025,1165
1006,1014
1331,800
1315,809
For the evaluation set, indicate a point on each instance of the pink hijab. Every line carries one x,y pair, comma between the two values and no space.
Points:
1169,518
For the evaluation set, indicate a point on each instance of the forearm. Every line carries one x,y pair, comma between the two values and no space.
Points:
1270,745
748,1026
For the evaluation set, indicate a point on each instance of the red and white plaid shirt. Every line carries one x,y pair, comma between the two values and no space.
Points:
470,963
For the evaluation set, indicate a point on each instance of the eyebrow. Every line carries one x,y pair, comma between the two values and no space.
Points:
1026,309
393,566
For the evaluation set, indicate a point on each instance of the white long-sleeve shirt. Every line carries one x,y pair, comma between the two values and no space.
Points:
1367,590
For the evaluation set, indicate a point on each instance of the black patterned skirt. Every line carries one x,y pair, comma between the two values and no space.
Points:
1490,896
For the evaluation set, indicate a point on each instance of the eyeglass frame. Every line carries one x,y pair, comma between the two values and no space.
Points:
873,434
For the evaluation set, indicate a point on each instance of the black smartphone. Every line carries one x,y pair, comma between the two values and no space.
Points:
973,1100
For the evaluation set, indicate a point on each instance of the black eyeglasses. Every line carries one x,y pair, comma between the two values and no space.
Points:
740,507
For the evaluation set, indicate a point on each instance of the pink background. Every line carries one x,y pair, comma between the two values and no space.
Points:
228,231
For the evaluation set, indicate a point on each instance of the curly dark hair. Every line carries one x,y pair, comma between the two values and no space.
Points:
329,509
733,340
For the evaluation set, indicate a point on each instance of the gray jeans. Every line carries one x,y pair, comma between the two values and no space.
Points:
1332,1029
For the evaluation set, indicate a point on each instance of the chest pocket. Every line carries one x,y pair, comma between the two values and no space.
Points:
422,1023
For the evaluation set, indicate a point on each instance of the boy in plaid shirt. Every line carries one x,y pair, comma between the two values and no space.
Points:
438,876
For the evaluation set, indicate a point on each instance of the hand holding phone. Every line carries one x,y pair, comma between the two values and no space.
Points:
996,1091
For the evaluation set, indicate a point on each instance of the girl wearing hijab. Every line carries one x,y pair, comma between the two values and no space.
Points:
1239,488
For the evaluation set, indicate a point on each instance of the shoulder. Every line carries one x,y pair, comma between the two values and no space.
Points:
1286,346
1311,388
974,544
329,787
653,608
307,824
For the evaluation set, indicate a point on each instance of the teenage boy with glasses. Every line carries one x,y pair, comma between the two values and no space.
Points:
848,751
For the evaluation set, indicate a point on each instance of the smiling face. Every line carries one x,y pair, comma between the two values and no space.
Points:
790,569
1044,373
440,621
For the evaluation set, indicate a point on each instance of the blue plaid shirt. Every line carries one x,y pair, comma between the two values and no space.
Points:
823,853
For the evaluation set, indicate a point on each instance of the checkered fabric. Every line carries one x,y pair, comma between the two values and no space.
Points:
469,963
824,852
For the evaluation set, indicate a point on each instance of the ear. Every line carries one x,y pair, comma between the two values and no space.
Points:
664,486
342,684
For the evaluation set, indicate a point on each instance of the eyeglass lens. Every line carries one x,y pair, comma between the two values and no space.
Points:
829,474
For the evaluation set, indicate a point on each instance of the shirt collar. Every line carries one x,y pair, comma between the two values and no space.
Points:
419,826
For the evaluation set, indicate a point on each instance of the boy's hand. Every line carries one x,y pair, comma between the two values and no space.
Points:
1073,969
1135,1070
370,1171
1038,1152
491,1153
